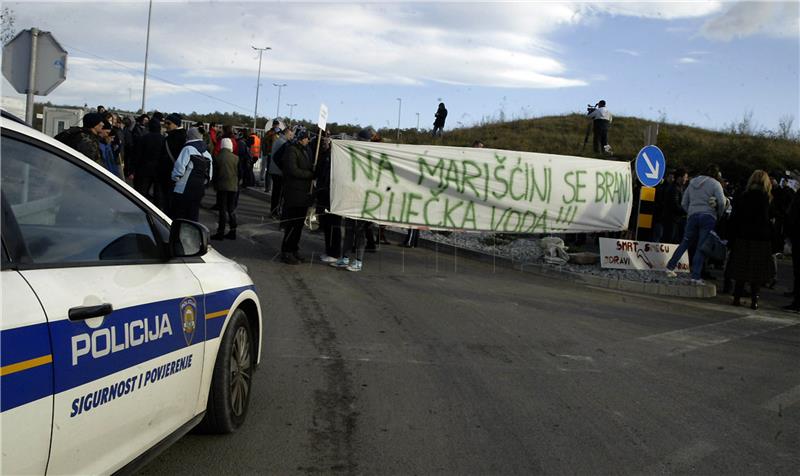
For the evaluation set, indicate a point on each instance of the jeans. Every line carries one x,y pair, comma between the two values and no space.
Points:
698,226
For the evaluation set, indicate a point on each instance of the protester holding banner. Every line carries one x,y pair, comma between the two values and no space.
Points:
751,234
331,224
704,202
298,172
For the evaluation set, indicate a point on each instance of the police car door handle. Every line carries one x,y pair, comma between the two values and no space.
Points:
88,312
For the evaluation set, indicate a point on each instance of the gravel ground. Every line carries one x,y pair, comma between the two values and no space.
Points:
527,250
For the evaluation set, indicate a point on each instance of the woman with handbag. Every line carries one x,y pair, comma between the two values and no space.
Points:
751,232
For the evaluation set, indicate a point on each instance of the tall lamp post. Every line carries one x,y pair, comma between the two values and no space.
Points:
399,107
291,110
146,53
417,122
279,86
258,82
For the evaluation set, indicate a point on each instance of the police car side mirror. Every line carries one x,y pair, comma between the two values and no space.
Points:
188,239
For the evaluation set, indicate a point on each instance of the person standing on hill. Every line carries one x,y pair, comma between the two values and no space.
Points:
601,120
438,123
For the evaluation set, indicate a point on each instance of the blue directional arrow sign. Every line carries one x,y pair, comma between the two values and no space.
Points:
650,166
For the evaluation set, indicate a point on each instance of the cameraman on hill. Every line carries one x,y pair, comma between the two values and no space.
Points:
601,119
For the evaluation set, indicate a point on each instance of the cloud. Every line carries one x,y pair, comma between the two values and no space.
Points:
494,44
627,52
740,20
655,10
688,60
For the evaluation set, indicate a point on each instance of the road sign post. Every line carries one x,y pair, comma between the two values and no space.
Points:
650,168
35,64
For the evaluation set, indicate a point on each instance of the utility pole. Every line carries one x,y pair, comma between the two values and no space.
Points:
279,86
291,110
146,54
258,82
399,107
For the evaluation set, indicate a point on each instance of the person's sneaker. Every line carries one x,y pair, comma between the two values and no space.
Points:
354,266
231,235
299,258
289,259
698,282
218,236
327,259
671,273
341,262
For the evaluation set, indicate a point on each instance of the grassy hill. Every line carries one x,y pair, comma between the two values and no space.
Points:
737,154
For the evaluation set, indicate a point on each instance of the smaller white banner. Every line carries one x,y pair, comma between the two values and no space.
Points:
323,117
629,254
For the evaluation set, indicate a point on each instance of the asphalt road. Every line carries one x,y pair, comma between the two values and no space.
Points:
426,363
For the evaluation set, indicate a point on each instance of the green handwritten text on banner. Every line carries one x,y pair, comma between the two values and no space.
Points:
478,189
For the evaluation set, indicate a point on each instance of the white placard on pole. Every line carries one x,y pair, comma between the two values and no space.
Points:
323,116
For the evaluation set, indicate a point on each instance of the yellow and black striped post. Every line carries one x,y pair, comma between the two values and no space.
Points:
647,207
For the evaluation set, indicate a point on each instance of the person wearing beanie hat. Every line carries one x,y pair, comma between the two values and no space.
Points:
173,119
173,145
277,152
85,139
298,172
191,172
226,183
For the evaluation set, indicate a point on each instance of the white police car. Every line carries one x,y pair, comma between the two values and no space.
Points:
120,331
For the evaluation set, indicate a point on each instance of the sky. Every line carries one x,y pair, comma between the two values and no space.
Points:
702,63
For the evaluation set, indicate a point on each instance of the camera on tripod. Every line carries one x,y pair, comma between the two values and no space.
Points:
590,109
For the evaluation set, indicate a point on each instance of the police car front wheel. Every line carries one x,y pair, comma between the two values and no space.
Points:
229,396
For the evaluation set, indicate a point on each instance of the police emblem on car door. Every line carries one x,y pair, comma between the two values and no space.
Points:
188,318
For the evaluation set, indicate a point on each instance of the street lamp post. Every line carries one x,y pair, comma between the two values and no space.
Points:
279,86
258,82
146,54
417,122
399,107
291,110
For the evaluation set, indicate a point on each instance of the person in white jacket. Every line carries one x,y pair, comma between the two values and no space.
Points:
601,120
192,171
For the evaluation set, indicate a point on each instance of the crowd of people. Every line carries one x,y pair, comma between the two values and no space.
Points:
757,220
173,166
170,164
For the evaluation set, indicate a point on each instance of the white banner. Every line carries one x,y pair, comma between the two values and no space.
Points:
461,188
628,254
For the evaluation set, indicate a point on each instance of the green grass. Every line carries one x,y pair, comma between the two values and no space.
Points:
737,154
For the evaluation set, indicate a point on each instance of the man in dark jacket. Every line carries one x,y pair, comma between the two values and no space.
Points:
298,172
173,144
145,164
438,123
85,139
226,183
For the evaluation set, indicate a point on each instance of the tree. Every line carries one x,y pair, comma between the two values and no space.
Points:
7,30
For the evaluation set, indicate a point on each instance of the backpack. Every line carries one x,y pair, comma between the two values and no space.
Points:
70,137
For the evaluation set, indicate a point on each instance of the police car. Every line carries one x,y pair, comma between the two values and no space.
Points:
120,330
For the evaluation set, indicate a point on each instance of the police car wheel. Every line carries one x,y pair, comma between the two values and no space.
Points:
229,396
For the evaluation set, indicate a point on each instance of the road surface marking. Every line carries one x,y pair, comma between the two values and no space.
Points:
693,338
786,399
